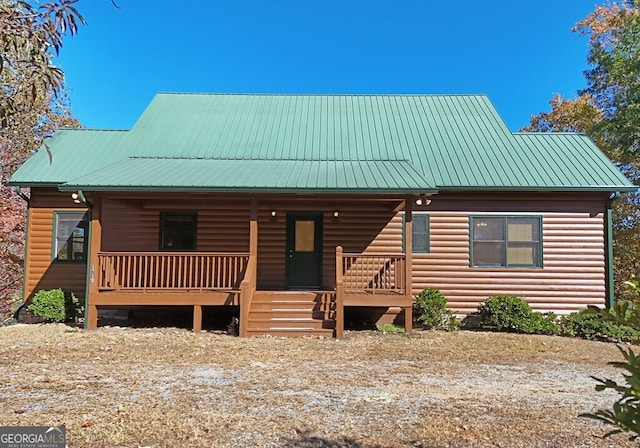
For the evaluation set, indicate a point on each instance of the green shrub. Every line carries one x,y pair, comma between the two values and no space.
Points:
546,323
625,412
430,308
513,314
390,328
624,415
55,305
592,325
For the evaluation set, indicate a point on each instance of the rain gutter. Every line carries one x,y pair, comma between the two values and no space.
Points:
608,251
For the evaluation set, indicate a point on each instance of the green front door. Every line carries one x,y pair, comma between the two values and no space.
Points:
304,250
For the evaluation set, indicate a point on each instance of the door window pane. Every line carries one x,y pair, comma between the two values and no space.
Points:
305,236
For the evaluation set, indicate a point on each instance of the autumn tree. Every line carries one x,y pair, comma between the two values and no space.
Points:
33,104
608,110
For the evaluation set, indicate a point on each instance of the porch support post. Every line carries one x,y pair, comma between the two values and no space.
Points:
339,294
248,285
95,245
253,229
408,257
197,318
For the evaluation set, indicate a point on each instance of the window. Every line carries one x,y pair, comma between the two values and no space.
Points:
419,233
506,241
178,231
71,230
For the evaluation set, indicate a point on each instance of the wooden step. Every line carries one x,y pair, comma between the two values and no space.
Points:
293,333
290,313
287,313
288,305
287,296
257,323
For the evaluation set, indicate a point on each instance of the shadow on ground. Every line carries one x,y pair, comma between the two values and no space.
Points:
304,439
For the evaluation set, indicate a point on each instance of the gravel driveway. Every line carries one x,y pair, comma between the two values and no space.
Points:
119,387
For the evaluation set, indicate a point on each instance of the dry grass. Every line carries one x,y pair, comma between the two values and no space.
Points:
169,388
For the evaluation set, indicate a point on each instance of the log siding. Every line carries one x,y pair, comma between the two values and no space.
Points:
572,276
573,272
41,272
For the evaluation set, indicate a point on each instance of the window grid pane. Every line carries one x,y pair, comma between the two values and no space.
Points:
71,232
420,234
178,231
488,254
488,229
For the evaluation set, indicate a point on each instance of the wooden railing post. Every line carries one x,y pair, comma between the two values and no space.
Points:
95,274
339,293
248,285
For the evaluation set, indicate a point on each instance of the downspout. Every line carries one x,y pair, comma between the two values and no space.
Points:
20,193
27,199
608,251
79,195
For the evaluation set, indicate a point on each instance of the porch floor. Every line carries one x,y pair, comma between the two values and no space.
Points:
291,313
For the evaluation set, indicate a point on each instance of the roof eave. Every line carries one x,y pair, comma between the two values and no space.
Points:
270,190
13,183
559,188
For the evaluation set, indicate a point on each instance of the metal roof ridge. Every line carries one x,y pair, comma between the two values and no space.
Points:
539,133
253,159
322,94
68,128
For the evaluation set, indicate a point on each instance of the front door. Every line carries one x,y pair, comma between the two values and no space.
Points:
304,250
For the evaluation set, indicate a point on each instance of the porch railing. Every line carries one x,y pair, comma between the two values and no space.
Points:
373,273
367,274
247,290
149,271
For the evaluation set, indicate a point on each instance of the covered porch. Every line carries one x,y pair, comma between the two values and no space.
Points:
337,239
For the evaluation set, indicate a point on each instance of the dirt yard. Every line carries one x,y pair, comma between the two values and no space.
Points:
119,387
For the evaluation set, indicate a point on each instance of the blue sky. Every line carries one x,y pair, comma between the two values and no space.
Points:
520,53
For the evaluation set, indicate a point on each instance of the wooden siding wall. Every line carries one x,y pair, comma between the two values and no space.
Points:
41,273
223,225
572,276
356,228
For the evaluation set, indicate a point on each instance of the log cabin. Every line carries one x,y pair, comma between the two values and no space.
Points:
299,209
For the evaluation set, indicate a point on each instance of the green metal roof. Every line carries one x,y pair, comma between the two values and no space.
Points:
176,174
71,152
337,143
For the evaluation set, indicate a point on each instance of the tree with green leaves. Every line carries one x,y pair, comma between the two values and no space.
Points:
608,110
29,38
